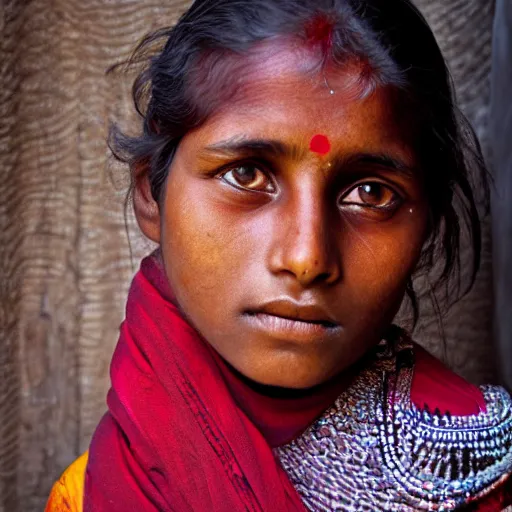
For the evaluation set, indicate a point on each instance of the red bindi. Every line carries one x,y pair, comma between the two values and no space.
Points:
320,144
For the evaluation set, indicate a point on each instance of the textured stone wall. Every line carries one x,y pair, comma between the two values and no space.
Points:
64,252
65,258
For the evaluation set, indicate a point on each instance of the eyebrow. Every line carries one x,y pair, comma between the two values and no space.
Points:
385,160
237,146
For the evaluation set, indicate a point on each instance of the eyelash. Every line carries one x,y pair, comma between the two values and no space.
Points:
396,202
262,167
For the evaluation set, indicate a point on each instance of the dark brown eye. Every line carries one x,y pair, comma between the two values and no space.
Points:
371,194
249,177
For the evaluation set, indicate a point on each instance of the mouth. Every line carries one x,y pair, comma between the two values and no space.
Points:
286,319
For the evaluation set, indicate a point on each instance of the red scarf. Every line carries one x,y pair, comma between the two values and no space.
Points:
184,432
176,436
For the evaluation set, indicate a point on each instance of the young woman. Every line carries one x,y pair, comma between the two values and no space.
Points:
300,161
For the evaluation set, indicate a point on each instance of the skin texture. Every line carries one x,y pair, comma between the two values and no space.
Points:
239,229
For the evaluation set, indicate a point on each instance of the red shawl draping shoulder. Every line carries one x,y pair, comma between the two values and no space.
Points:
174,437
183,432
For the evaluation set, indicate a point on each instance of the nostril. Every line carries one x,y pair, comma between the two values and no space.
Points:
324,276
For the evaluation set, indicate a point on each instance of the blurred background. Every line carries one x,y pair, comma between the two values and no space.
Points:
65,240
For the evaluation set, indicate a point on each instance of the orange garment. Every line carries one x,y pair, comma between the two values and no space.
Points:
67,493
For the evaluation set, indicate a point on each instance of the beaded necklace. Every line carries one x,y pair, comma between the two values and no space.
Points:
374,450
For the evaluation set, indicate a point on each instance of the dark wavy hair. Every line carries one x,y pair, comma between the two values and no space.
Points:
188,73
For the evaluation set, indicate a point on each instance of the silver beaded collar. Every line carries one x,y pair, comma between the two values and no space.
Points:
374,450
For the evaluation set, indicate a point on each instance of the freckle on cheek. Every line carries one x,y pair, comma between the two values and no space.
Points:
320,144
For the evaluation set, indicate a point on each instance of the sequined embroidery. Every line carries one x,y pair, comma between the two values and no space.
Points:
374,450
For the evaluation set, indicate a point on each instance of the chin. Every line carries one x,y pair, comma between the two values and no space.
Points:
292,373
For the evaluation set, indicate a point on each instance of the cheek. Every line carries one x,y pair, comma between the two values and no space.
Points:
204,249
380,258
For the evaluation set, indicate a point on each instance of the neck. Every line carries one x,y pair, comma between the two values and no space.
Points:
281,414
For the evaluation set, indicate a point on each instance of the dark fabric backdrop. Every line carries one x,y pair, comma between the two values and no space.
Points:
501,159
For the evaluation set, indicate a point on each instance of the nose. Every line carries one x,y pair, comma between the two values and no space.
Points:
305,244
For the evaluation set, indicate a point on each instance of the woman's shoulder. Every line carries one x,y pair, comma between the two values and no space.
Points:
439,391
434,386
67,492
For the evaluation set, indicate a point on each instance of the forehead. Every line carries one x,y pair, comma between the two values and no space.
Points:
282,93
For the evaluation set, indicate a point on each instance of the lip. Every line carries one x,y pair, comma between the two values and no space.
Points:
288,319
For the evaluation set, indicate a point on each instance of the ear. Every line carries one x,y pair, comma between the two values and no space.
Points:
146,208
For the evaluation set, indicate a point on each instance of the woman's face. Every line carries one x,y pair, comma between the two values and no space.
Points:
290,223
